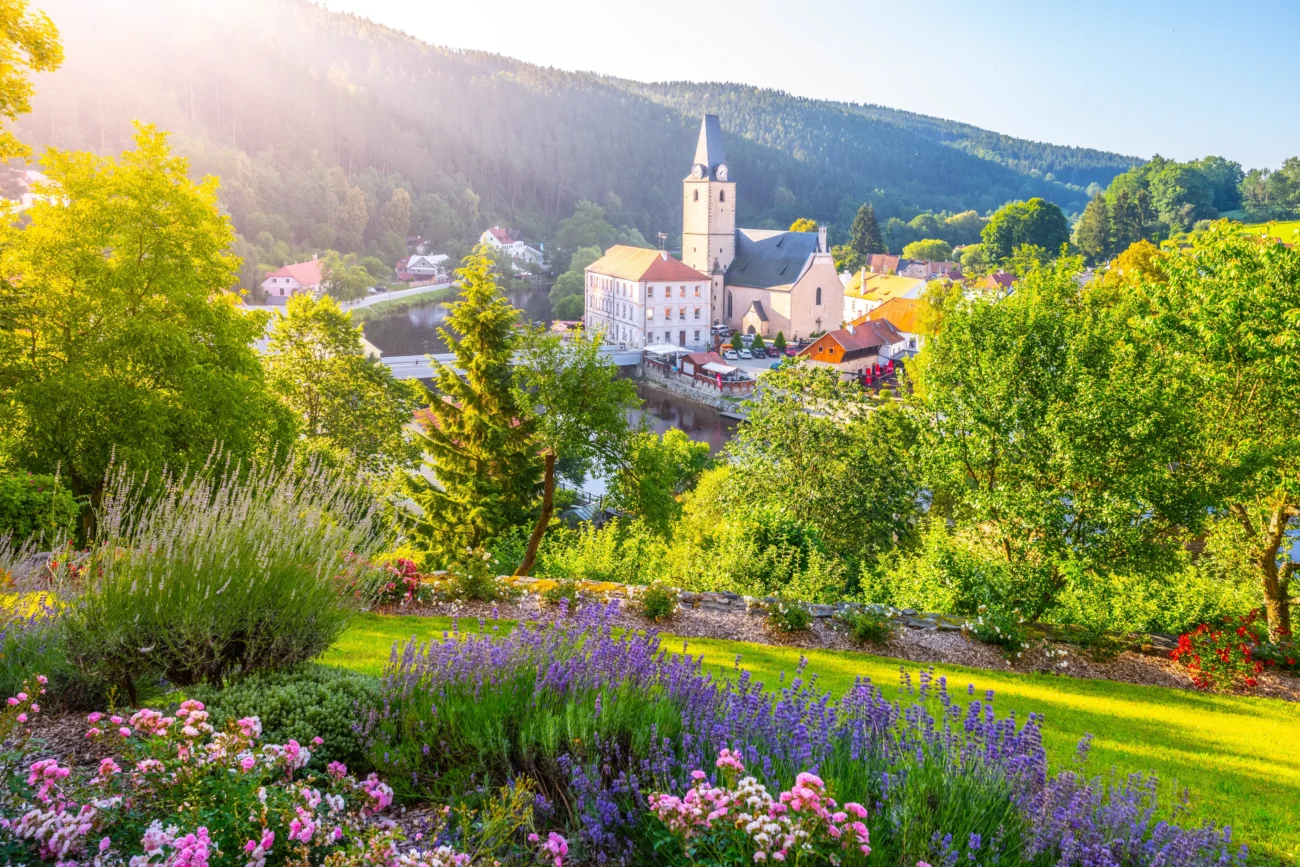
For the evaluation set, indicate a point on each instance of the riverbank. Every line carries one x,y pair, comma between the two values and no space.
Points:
407,300
692,390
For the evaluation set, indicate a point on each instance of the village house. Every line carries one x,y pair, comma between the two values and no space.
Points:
639,297
856,348
292,280
998,281
423,267
900,313
866,291
511,242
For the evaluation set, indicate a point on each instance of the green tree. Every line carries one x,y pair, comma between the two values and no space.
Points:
736,342
1052,437
1181,196
580,405
814,450
973,259
397,214
120,335
864,237
1227,310
803,224
779,342
1092,234
758,342
478,441
342,278
930,249
349,405
30,44
569,308
1224,178
573,281
33,507
655,473
1035,223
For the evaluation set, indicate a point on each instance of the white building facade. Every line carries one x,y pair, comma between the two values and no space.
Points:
638,298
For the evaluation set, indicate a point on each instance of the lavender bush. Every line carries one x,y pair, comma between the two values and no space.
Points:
601,719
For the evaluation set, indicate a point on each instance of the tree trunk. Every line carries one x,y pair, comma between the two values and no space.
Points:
1277,599
1276,579
548,503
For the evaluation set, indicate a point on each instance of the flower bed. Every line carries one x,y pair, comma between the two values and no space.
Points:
612,729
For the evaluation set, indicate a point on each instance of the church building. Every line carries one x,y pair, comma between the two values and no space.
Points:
763,281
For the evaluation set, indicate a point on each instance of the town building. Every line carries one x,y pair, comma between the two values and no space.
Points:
638,298
900,313
998,281
856,348
431,266
511,242
866,291
762,281
292,280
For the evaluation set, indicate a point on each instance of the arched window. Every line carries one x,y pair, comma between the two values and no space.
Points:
819,296
697,196
722,195
730,312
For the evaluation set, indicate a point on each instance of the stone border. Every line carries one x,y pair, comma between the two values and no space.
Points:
726,602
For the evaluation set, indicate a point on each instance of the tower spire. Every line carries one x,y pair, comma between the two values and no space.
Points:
709,151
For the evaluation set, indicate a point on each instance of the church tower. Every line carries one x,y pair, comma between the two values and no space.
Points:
709,212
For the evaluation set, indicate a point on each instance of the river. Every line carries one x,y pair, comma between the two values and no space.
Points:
415,332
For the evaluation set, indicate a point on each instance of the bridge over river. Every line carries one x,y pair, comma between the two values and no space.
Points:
424,366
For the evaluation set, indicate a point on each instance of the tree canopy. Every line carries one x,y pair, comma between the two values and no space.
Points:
1035,223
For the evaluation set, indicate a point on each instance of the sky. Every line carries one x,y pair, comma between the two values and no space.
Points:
1139,77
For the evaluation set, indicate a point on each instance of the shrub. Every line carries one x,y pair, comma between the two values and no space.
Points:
474,579
403,584
1223,657
564,592
1098,644
869,626
788,617
33,642
657,602
300,704
1000,629
216,575
36,507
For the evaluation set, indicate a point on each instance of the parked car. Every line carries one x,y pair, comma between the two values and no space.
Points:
746,354
775,365
791,351
747,339
730,354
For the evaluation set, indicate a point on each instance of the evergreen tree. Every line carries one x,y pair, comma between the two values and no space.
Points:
865,236
1092,235
779,342
478,442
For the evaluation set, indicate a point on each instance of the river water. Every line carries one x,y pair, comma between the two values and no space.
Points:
415,332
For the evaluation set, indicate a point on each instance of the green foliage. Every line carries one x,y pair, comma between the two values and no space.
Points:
931,249
736,342
973,259
34,507
1035,223
864,239
868,626
1093,232
348,403
300,703
253,569
779,342
1000,629
803,224
474,576
788,617
478,440
342,278
566,592
572,285
758,342
570,307
625,552
655,472
145,357
33,643
30,44
657,602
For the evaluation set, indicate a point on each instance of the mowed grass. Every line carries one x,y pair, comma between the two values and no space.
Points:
1286,231
1238,757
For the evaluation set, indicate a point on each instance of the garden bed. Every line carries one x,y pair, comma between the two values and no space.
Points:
915,644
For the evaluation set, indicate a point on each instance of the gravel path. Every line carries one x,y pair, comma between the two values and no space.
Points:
915,645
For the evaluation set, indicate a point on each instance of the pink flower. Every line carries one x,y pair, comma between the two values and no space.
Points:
93,733
115,720
42,679
533,838
104,844
317,741
22,696
856,809
22,717
338,770
124,732
36,708
108,766
248,763
12,701
94,717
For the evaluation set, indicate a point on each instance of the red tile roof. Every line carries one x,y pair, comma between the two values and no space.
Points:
642,265
504,236
306,273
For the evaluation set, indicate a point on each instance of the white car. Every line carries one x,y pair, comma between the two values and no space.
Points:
746,354
730,355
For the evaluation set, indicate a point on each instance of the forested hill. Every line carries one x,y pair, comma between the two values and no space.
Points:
309,115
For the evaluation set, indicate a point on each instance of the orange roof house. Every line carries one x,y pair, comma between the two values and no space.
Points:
292,279
855,347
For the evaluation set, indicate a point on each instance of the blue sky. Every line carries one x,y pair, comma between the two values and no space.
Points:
1139,77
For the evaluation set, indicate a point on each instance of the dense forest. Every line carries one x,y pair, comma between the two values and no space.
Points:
313,120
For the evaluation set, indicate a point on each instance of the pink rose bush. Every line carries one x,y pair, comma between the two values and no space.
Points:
177,793
739,821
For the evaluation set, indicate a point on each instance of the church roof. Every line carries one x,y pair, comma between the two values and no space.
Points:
767,258
709,151
757,309
639,264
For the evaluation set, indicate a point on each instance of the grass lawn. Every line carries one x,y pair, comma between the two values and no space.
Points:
1238,757
1287,231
